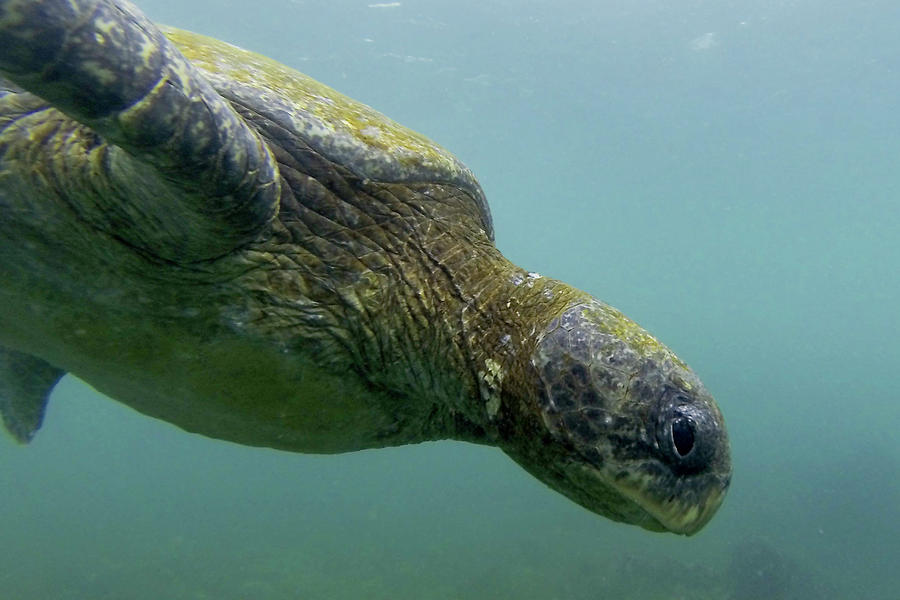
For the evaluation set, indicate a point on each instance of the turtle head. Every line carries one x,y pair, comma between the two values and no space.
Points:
630,431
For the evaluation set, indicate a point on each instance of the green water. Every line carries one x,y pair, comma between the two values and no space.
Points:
725,173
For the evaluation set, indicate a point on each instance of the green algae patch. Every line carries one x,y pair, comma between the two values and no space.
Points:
613,322
341,114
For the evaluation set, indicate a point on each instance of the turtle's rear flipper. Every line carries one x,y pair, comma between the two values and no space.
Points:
25,385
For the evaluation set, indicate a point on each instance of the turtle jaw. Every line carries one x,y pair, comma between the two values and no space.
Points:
642,497
684,512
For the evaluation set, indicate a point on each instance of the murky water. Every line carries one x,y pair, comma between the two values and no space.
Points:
724,173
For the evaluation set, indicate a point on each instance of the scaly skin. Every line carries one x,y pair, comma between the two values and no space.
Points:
223,243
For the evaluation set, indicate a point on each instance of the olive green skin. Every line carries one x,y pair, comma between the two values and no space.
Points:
223,243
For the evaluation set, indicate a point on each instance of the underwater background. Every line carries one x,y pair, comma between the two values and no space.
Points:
726,173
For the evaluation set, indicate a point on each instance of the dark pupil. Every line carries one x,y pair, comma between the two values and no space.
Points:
683,436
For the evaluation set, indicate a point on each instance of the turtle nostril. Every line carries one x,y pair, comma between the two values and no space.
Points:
682,435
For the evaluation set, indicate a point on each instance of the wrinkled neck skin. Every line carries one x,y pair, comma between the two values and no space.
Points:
418,303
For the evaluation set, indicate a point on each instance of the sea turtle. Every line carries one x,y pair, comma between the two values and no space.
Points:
219,241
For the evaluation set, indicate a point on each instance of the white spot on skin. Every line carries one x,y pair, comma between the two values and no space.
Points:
491,378
532,277
371,132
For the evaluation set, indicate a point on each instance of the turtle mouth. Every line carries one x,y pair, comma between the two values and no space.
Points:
684,513
680,505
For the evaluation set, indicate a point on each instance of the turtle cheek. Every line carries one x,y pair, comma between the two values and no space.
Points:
590,432
578,412
577,403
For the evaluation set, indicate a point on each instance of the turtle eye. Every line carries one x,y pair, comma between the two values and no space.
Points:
683,435
686,431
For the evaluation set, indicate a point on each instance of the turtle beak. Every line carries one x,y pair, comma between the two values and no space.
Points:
683,506
683,514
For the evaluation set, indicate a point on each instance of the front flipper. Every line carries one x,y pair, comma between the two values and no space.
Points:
25,385
105,65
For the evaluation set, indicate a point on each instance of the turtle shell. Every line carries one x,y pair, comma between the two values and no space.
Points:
342,130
